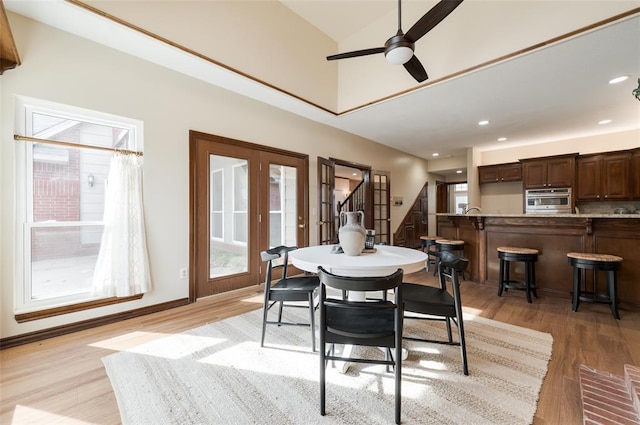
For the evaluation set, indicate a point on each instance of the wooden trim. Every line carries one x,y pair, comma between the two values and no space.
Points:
9,57
14,341
350,164
376,101
194,136
57,311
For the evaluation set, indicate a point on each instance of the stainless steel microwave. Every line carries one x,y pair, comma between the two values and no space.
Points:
548,201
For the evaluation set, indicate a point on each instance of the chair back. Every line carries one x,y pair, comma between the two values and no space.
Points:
270,255
450,266
370,323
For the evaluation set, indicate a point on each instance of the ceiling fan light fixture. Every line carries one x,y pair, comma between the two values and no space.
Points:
399,55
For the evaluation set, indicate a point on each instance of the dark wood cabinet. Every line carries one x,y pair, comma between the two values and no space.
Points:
499,173
549,172
604,177
635,174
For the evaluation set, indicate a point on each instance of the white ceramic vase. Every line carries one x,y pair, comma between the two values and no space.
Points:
352,232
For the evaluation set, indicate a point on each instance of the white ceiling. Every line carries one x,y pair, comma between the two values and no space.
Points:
552,93
555,93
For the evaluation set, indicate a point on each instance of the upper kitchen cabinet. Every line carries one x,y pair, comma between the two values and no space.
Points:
9,58
604,177
635,174
549,172
511,172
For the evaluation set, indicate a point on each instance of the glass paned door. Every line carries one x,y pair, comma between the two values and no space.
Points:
283,208
284,221
326,212
246,198
228,230
380,207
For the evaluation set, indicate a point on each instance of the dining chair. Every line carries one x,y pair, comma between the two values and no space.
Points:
436,303
287,290
366,323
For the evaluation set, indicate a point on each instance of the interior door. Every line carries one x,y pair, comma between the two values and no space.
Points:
245,198
326,214
381,201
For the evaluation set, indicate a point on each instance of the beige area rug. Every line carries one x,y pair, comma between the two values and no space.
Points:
219,374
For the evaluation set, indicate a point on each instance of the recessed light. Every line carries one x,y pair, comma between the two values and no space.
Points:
604,122
458,171
483,122
502,139
354,174
618,79
435,154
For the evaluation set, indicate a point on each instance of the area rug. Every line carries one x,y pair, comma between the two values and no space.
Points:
219,374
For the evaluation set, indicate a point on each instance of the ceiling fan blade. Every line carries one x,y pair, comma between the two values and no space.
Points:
432,18
416,69
356,53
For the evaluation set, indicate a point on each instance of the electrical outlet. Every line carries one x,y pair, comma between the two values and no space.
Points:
184,273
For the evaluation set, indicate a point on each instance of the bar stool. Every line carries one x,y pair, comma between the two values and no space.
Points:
428,245
455,246
588,261
509,254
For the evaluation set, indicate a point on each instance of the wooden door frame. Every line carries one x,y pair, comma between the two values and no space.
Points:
197,179
366,176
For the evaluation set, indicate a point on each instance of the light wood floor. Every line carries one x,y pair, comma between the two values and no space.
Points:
62,381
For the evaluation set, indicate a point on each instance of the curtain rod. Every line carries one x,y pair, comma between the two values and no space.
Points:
74,145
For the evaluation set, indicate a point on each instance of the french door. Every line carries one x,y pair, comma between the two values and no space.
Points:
245,198
376,201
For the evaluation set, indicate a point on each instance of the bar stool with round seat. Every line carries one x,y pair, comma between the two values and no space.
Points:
509,254
455,246
428,245
589,261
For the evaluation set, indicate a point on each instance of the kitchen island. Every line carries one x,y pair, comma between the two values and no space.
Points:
554,235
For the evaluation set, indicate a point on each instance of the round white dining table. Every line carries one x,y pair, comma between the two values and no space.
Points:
384,261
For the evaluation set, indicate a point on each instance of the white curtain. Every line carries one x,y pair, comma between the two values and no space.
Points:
122,268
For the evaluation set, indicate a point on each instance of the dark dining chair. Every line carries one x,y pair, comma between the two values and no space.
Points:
433,303
367,323
287,289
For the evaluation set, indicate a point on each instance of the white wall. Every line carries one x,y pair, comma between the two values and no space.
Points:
63,68
277,44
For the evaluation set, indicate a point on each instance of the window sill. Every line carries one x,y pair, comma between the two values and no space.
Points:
57,311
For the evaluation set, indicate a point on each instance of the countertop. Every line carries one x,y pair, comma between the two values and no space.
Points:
599,215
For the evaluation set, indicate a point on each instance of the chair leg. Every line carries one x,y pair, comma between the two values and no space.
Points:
527,282
280,312
576,288
398,379
501,278
612,283
449,334
507,274
265,309
533,280
323,366
312,323
463,346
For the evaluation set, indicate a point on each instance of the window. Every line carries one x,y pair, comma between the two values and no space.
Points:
459,197
62,204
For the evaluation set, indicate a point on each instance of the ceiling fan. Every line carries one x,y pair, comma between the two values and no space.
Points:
398,50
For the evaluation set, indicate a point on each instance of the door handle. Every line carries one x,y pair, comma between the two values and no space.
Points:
302,226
